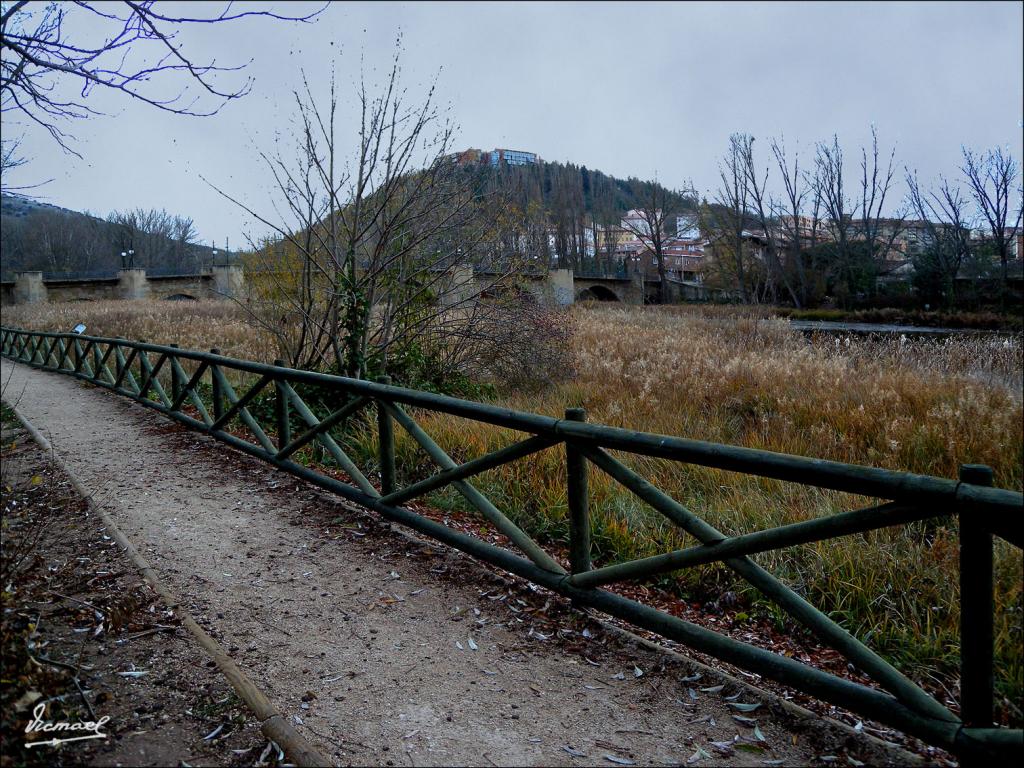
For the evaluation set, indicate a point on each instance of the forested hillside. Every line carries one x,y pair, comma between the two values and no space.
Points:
557,203
40,236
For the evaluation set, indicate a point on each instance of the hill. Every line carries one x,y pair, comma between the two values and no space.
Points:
562,189
35,235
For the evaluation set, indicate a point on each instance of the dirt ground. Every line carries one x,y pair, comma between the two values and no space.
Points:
75,607
382,650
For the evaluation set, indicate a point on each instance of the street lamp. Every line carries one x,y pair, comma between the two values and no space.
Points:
127,259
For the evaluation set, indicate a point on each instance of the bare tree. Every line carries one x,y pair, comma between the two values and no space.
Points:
994,176
879,232
944,213
725,220
11,158
799,231
41,54
764,208
649,227
372,259
154,239
831,196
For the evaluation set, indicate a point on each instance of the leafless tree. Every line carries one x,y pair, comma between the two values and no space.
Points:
879,231
799,231
11,157
372,255
155,238
764,209
945,216
725,220
650,228
994,176
42,55
830,195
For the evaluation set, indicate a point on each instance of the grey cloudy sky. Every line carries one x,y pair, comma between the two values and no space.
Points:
632,89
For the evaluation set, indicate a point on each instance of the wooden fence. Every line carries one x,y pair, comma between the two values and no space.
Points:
193,388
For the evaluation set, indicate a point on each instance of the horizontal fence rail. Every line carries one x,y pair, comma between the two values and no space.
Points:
194,389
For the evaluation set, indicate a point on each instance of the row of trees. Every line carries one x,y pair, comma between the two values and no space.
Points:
780,231
55,240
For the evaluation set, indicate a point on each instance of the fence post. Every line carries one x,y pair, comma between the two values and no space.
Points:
284,425
976,610
176,382
218,395
579,512
386,438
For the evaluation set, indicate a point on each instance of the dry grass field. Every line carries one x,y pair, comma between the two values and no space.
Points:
733,376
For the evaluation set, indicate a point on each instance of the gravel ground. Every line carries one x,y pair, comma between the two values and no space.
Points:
76,607
380,649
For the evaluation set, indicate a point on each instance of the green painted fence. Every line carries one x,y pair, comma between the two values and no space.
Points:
174,381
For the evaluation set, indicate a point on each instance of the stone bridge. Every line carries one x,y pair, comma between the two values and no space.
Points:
556,287
627,290
32,287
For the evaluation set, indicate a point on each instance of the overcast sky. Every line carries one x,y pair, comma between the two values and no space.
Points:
632,89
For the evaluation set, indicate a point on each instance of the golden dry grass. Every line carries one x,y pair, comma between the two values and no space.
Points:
203,325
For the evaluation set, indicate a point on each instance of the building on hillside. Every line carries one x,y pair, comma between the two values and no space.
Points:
753,243
512,157
684,260
495,157
635,223
608,239
687,226
468,156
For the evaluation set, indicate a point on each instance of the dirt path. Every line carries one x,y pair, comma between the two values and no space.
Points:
382,650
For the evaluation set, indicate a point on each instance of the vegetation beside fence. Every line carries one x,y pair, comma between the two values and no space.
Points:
730,375
943,521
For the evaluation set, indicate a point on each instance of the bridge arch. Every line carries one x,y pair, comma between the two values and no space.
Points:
180,297
597,293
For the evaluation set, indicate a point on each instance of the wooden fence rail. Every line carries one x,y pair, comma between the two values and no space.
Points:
156,377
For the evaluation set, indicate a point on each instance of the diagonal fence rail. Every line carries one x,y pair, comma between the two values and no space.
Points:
193,388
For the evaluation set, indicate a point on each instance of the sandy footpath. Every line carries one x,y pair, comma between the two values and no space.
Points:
382,651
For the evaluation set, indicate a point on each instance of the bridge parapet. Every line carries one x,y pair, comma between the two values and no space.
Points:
33,287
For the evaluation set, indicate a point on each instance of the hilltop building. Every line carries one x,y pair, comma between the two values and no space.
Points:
496,157
512,157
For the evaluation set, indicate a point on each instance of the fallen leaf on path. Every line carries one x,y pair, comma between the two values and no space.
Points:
619,760
744,707
700,754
